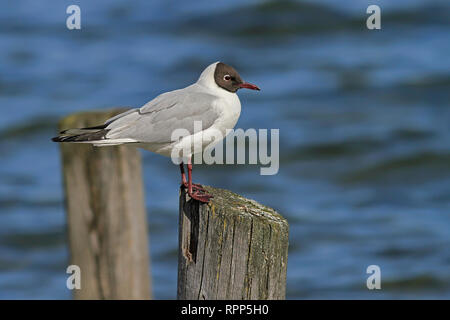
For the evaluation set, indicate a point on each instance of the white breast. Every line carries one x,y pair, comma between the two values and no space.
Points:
230,109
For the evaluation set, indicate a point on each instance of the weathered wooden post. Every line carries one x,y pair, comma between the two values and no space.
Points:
106,216
231,248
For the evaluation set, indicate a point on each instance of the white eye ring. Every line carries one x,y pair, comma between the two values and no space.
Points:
227,77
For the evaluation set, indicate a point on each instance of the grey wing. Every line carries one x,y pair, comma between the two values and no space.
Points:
156,120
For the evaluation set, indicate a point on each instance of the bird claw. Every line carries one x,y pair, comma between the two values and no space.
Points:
198,192
194,186
202,197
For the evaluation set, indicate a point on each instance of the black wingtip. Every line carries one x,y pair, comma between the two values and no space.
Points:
82,137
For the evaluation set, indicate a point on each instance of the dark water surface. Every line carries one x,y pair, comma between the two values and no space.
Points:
363,116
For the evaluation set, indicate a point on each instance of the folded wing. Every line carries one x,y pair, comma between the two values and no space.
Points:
156,120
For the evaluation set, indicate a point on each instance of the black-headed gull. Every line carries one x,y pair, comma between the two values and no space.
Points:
212,101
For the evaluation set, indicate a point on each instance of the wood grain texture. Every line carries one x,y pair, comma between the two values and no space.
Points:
231,248
106,216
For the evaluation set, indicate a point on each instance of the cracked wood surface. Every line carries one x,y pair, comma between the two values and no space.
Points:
231,248
106,216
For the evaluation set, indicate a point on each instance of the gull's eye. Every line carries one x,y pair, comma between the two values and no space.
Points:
227,77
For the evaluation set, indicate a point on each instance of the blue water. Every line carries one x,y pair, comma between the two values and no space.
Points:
364,131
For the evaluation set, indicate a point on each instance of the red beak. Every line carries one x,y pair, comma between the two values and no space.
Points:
250,86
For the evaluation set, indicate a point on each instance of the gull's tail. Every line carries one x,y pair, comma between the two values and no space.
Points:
96,135
88,135
93,135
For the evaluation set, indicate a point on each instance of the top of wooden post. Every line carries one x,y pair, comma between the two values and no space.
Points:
234,203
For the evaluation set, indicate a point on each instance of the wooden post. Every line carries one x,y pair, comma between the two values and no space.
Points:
106,216
231,248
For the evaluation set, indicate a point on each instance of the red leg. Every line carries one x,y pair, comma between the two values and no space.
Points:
189,177
184,181
183,175
195,191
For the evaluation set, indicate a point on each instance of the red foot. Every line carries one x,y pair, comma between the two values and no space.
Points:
202,197
194,186
198,192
